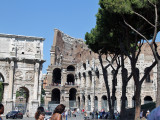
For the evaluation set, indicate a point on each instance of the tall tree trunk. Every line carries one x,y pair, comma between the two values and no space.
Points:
138,84
105,76
124,85
123,109
158,84
138,101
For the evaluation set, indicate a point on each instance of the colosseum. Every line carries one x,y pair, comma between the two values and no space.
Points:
74,77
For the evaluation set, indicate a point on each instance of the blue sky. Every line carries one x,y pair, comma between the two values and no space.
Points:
40,17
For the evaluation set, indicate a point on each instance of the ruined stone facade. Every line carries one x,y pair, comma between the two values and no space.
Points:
21,59
71,77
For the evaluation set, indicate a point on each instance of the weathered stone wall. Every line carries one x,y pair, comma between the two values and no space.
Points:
21,59
68,51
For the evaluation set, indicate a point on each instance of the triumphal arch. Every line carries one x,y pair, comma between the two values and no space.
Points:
21,59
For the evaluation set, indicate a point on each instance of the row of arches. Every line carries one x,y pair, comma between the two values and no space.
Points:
56,79
104,102
56,96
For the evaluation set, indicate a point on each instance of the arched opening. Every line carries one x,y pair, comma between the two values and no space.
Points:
83,101
96,103
148,99
97,73
133,101
70,79
55,96
148,79
104,102
72,97
84,66
90,78
22,97
56,76
1,87
78,102
70,68
89,103
84,76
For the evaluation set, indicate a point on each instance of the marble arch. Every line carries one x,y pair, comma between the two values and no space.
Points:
21,65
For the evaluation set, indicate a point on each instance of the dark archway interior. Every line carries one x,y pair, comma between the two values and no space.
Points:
57,76
148,98
89,97
70,79
104,97
70,68
96,98
56,96
72,94
84,66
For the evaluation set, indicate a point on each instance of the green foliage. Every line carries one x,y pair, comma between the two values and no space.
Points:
1,91
42,95
17,94
21,93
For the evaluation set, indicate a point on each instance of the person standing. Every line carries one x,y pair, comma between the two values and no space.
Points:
66,114
141,114
57,112
1,110
147,114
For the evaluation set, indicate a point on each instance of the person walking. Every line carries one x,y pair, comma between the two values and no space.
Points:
1,110
57,112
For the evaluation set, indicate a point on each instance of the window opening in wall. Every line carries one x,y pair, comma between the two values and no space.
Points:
84,66
148,76
56,76
70,79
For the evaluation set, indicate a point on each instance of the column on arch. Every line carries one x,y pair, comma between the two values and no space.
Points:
35,94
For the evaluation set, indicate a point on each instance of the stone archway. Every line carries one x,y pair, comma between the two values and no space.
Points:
22,98
96,102
1,87
70,79
78,102
133,101
55,96
56,79
104,103
70,68
72,97
89,103
148,99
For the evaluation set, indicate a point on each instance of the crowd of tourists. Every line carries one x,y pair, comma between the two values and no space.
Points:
60,113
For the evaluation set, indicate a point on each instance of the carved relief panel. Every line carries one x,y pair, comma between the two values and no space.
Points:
29,75
18,75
